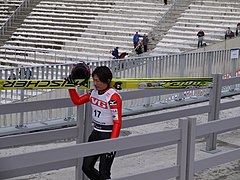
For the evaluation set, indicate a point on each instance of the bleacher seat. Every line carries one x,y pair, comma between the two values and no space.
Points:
88,29
212,16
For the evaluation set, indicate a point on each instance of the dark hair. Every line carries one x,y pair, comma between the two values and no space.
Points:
103,73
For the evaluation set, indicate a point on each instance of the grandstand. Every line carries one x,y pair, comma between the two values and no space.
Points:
7,8
66,31
86,29
47,33
212,16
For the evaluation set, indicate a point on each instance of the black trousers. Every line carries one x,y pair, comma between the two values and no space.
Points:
145,48
105,161
135,44
200,43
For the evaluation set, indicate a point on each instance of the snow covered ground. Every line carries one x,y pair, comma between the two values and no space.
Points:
156,158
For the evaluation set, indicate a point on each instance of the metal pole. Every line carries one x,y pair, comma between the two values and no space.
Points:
182,66
78,169
80,139
214,102
191,148
209,59
85,126
234,58
149,69
182,148
22,74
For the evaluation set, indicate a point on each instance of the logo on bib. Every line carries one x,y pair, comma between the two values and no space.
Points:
98,103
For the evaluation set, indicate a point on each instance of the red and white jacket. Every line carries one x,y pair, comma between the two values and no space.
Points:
106,109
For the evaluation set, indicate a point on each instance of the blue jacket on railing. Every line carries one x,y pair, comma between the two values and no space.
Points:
115,53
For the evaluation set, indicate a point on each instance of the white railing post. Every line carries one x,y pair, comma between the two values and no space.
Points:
182,148
80,138
22,76
191,148
209,63
234,58
182,64
214,102
84,122
149,68
182,68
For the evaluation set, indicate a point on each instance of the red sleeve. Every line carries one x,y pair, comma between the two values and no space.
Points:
76,99
116,107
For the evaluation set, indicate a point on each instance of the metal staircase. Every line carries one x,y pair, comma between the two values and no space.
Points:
16,19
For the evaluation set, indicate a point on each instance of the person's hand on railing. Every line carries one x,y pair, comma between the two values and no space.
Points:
110,155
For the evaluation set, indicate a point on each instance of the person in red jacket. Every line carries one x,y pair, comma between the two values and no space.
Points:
106,106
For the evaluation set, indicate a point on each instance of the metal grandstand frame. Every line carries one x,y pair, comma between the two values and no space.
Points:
12,18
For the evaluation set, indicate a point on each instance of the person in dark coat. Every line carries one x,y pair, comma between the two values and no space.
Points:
115,53
145,42
200,35
229,33
165,2
238,29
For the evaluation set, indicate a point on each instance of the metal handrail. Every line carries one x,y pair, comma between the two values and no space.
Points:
11,19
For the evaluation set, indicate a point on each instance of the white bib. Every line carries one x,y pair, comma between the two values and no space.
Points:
101,112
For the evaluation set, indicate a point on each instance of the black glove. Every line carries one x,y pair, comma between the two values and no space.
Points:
110,155
70,80
118,85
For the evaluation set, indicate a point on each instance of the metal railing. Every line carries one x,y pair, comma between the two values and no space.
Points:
12,18
185,65
184,135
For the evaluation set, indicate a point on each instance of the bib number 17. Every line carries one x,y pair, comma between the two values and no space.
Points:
97,113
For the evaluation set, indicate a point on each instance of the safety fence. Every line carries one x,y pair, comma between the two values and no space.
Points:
200,64
184,65
184,137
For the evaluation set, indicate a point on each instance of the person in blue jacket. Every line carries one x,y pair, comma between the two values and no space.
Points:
136,39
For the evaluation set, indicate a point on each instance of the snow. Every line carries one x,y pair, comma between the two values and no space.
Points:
156,158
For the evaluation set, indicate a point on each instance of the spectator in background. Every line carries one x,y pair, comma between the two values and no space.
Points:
115,53
21,73
238,29
229,33
28,73
12,77
200,35
136,39
145,42
165,2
